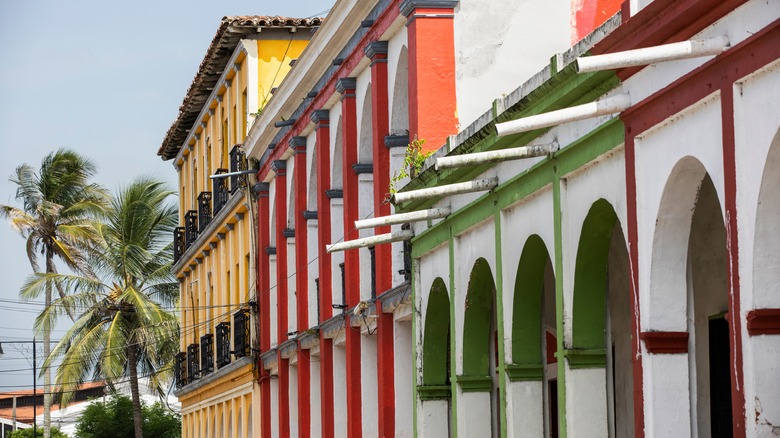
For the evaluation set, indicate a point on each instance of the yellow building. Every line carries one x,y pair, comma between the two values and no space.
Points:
213,247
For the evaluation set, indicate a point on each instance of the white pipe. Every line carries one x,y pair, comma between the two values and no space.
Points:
651,55
395,236
610,105
450,189
240,172
402,218
501,155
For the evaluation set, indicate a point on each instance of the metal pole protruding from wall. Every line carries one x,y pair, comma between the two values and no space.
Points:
395,236
651,55
402,218
478,185
609,105
477,158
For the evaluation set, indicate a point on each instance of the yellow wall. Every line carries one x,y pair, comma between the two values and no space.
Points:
216,280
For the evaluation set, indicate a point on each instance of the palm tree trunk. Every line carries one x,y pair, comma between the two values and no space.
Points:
132,358
46,352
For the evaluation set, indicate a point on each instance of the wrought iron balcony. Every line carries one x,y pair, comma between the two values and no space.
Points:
237,164
193,363
191,226
179,243
241,333
219,190
180,369
223,344
204,210
206,354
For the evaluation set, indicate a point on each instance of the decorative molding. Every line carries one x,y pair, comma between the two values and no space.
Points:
375,48
392,298
288,232
665,342
310,214
288,348
434,392
298,143
309,339
408,6
270,250
524,372
475,383
586,358
397,141
360,168
334,193
320,115
279,165
331,328
763,322
261,189
346,84
269,358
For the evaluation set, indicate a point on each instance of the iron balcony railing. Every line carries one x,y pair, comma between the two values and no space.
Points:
241,333
193,363
237,164
204,210
223,344
206,354
219,190
180,369
191,226
179,243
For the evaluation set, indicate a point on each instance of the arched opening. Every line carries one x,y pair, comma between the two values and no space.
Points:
435,392
399,115
480,341
766,284
534,338
601,324
365,143
708,284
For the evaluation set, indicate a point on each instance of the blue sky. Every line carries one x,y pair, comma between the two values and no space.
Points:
105,79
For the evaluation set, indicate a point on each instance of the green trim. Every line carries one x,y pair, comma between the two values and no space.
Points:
500,324
437,331
559,329
453,340
586,149
590,277
524,372
586,358
475,383
562,90
434,392
477,320
415,353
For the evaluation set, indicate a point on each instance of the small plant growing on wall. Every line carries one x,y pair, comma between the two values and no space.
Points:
414,159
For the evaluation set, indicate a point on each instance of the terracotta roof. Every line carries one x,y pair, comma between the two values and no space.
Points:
24,414
229,33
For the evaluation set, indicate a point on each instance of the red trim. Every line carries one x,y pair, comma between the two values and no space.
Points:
763,322
381,24
633,254
719,73
323,232
263,230
280,211
665,342
661,22
302,287
349,147
432,97
380,121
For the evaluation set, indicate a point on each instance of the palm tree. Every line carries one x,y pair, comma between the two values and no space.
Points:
57,203
124,328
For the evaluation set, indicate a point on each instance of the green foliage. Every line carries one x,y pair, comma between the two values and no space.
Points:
114,418
414,159
28,433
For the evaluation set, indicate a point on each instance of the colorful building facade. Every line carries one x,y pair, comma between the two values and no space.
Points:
623,282
213,250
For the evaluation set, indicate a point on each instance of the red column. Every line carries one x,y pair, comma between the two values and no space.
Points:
380,122
298,144
280,211
432,104
264,302
346,87
321,119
